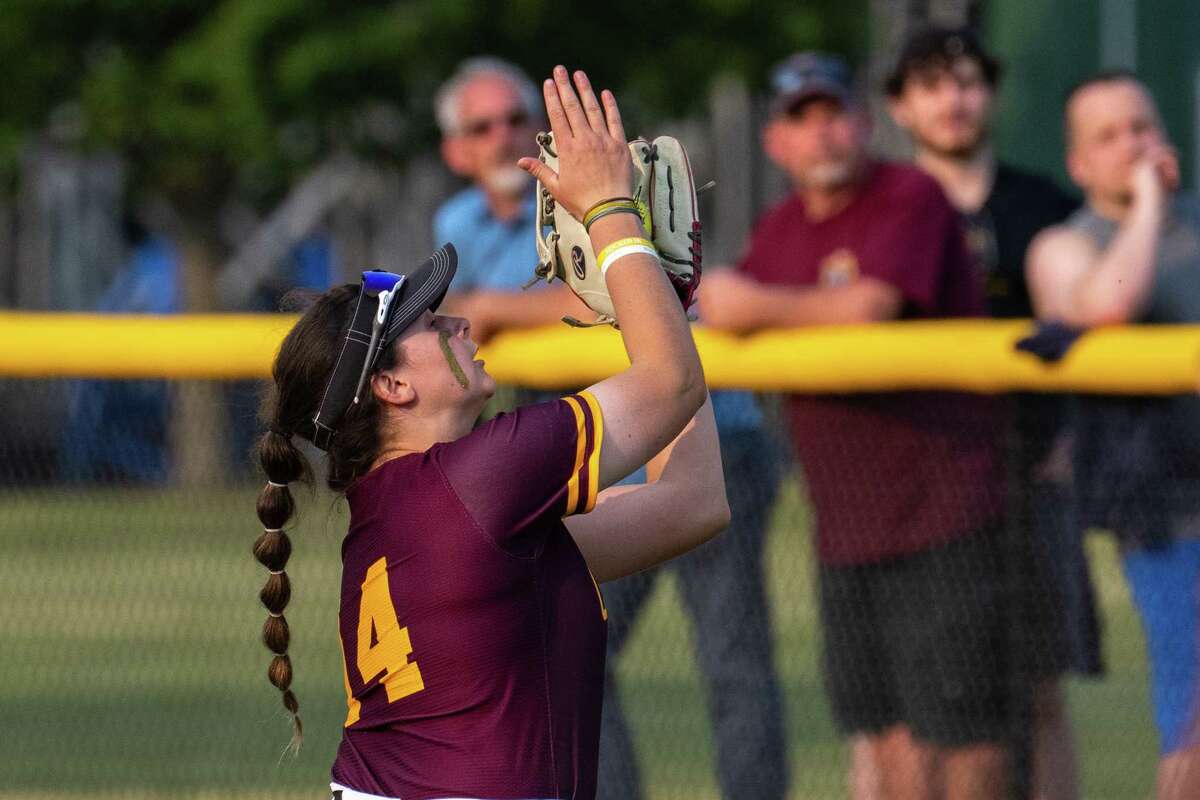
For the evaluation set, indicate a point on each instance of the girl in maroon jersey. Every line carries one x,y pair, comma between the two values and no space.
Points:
471,623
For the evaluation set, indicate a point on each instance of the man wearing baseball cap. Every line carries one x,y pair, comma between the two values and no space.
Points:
942,91
905,487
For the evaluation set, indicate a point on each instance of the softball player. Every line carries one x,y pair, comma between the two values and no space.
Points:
471,624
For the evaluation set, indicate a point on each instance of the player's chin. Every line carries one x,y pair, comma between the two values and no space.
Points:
486,382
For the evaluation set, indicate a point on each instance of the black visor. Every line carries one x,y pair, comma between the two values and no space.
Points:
388,303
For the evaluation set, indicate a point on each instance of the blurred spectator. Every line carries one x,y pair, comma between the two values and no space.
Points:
723,589
118,429
942,92
487,114
308,265
905,486
1132,254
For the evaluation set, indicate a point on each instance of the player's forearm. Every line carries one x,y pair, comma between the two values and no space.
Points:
694,449
1113,291
654,328
682,506
690,469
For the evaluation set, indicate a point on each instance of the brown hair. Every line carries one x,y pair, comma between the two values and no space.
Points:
938,48
301,371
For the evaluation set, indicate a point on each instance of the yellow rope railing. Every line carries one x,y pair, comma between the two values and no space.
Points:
974,355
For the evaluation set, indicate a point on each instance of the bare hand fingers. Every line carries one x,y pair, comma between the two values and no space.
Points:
559,124
591,106
1171,162
540,172
615,128
570,103
1169,170
1166,165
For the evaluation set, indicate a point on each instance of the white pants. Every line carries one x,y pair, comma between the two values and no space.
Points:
350,794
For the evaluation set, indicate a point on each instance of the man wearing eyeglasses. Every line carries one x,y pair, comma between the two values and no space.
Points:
489,112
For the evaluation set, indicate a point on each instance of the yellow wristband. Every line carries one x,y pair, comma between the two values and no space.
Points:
589,216
627,250
627,208
622,243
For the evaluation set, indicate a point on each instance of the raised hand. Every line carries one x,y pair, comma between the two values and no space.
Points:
1156,174
593,157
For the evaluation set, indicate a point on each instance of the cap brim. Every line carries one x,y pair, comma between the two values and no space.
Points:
423,290
810,91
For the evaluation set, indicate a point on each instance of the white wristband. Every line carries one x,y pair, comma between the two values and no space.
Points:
627,250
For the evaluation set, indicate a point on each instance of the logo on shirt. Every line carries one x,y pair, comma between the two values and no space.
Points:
982,243
577,262
839,268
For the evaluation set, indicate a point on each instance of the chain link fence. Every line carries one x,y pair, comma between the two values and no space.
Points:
130,664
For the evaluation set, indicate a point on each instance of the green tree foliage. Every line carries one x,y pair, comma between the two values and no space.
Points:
211,97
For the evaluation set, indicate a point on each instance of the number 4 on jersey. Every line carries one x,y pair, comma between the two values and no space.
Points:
383,646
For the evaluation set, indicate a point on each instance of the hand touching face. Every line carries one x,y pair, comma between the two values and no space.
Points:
1113,129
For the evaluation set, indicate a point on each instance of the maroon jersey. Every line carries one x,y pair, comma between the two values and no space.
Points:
472,631
888,474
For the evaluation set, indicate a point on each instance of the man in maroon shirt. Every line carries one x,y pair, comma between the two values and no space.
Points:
905,486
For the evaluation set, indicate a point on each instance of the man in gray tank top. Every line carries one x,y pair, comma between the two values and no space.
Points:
1132,254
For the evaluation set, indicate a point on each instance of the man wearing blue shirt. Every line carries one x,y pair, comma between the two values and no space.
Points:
489,113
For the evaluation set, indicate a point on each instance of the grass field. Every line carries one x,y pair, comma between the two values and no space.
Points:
130,665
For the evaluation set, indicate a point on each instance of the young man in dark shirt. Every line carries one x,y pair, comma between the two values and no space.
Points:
905,486
942,92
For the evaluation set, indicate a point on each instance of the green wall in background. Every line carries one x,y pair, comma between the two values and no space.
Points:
1168,60
1045,46
1048,45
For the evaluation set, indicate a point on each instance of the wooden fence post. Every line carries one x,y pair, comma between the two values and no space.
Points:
199,417
734,150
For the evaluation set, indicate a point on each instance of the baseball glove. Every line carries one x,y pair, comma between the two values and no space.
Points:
665,193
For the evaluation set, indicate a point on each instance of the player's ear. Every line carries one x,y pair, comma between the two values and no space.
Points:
392,389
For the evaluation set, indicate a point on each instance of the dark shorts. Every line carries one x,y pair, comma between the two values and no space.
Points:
1058,627
920,640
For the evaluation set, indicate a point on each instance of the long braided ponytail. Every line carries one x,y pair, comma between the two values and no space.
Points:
283,463
301,370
